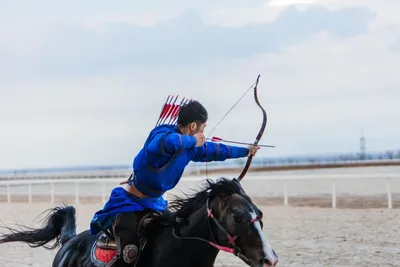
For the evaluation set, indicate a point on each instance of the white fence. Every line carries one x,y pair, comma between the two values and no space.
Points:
367,183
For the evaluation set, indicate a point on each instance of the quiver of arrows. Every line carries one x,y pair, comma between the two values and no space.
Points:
170,110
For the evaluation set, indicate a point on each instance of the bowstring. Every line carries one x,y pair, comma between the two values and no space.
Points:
225,116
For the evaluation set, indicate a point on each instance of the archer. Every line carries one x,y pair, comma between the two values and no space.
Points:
157,168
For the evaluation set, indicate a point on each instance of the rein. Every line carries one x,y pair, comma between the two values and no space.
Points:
235,249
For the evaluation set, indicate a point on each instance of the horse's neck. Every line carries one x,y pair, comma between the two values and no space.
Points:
199,227
164,249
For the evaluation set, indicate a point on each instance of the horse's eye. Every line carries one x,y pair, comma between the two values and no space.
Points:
237,217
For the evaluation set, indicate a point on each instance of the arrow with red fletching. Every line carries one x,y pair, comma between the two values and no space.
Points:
176,110
170,110
218,139
164,109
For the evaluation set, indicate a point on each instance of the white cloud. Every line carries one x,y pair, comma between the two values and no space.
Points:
70,94
285,3
72,50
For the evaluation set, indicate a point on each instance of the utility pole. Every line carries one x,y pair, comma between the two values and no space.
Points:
362,145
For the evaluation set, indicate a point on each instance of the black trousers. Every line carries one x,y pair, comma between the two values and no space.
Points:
126,237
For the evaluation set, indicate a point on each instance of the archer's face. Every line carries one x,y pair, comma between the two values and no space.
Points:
195,128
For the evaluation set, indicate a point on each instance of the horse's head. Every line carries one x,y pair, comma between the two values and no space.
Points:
238,224
235,222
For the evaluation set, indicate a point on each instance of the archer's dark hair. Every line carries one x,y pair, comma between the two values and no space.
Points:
192,112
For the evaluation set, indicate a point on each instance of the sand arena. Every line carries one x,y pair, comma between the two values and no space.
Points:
362,231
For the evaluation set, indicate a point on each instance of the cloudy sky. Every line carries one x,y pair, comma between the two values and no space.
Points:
82,82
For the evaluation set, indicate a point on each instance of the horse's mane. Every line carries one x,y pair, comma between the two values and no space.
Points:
184,206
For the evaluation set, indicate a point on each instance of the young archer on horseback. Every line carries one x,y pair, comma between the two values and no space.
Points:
157,168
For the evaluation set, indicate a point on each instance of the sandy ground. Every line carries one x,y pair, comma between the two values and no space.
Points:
361,232
302,236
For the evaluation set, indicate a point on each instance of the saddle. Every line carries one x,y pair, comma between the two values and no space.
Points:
105,248
106,242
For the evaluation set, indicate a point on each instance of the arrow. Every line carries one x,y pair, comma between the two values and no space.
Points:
165,108
218,139
175,119
176,111
170,110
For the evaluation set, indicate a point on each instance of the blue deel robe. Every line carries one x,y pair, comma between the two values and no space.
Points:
158,168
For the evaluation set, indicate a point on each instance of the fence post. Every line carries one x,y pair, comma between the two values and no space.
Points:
285,194
76,193
103,193
389,195
8,194
333,195
52,193
30,193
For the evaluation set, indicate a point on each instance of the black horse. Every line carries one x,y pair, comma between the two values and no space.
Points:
219,217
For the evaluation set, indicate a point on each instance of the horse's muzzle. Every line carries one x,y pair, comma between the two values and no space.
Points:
271,260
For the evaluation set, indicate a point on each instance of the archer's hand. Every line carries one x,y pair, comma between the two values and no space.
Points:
201,139
253,150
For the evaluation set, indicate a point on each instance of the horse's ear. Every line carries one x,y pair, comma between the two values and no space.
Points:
240,185
208,193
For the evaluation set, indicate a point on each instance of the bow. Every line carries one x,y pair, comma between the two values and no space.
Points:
260,132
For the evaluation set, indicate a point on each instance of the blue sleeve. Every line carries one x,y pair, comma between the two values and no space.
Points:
169,143
218,152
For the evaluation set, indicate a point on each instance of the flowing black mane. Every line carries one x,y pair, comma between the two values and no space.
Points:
183,207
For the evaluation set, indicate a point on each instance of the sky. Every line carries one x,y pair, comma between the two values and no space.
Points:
83,82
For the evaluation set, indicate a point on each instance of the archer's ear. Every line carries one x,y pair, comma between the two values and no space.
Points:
193,126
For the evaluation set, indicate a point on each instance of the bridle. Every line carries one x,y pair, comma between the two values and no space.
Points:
234,249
